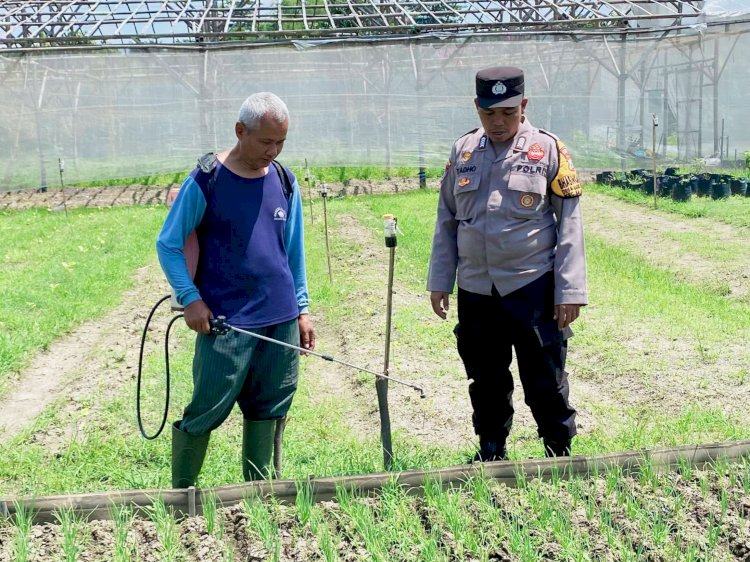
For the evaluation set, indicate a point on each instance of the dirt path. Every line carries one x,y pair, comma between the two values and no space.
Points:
96,358
443,417
699,250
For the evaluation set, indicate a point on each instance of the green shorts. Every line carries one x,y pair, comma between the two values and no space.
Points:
260,376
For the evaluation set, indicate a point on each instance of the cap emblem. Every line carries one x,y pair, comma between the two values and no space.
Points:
499,88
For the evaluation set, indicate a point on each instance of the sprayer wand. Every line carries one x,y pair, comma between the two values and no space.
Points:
220,327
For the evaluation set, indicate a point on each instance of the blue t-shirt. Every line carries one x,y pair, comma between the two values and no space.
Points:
251,267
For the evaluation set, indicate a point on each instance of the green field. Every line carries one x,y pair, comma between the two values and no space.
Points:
60,271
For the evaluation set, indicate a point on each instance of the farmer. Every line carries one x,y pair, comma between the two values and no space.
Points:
252,271
509,229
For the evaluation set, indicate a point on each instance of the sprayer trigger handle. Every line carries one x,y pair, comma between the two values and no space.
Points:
219,326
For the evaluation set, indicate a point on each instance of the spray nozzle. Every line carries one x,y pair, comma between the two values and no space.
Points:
219,326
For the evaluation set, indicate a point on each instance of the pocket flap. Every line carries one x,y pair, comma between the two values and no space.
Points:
465,183
529,183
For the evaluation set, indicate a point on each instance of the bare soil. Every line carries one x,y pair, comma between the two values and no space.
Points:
705,513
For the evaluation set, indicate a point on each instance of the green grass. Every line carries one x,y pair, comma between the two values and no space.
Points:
101,252
734,211
58,271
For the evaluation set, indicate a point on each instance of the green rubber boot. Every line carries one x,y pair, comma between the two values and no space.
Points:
188,452
257,448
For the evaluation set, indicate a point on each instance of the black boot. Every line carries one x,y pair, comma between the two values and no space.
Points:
560,448
490,451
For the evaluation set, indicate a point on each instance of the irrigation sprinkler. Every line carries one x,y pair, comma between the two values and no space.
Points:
381,383
61,167
655,124
324,196
309,191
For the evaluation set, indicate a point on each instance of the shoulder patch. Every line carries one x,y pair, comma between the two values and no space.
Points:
566,182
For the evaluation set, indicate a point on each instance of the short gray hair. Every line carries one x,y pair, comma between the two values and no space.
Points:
260,105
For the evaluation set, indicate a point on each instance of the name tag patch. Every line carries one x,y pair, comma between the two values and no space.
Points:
466,169
531,169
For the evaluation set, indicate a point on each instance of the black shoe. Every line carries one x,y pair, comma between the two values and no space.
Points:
490,451
557,448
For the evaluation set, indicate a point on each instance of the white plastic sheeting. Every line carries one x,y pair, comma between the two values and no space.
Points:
113,114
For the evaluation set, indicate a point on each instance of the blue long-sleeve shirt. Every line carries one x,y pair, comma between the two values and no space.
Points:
251,267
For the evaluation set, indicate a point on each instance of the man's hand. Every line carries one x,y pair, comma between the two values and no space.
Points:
565,314
306,332
197,315
440,303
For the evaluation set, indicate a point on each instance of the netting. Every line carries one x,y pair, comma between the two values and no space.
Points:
125,112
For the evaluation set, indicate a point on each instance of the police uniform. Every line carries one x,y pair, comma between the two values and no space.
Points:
509,230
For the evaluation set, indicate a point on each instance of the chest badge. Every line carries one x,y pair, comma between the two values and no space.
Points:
527,200
466,156
536,152
279,214
463,182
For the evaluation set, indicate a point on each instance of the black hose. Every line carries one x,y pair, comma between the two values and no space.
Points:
140,371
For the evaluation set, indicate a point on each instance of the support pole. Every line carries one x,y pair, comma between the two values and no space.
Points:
309,191
381,384
654,125
278,439
61,167
324,196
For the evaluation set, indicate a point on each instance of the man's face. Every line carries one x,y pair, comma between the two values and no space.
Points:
258,147
501,123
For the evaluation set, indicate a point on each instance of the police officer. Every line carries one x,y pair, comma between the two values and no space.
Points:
509,230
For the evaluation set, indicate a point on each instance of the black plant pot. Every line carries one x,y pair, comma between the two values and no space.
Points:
681,190
721,190
739,187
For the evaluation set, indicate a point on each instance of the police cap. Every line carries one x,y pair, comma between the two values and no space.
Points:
499,86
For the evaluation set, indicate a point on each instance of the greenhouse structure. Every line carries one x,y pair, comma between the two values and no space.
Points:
124,88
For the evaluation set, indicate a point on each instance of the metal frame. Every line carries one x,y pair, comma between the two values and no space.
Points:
91,24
